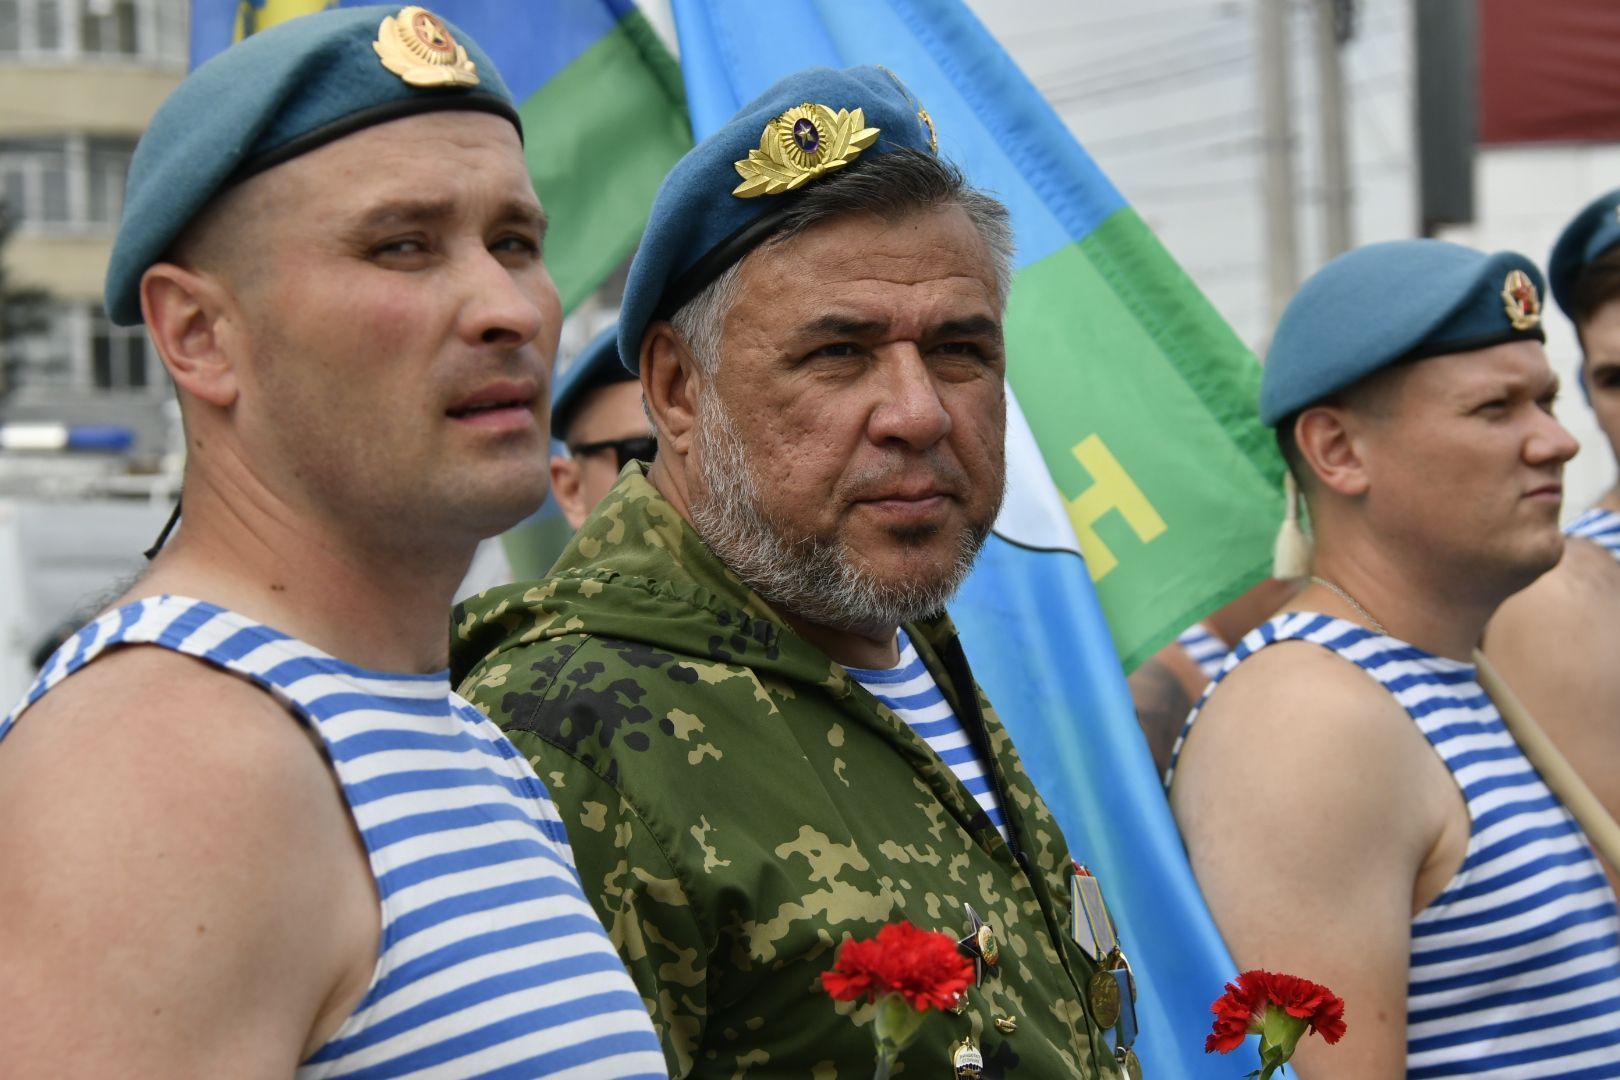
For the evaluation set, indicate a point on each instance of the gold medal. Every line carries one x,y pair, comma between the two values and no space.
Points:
988,946
1133,1067
1102,991
966,1060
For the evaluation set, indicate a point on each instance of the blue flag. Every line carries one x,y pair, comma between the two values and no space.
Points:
1030,616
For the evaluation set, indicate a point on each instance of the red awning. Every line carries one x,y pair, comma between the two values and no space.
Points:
1549,71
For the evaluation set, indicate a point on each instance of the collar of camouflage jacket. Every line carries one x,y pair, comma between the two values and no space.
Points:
636,571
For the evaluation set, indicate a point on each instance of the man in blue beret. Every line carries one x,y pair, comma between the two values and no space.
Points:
760,724
1356,810
1556,641
332,239
596,411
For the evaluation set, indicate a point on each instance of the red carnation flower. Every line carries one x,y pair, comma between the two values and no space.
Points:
1278,1008
922,966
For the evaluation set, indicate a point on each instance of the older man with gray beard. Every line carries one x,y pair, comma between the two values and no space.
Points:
739,680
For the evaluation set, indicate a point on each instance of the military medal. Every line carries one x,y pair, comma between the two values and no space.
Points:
1089,922
1102,992
1111,990
966,1060
980,945
1129,1062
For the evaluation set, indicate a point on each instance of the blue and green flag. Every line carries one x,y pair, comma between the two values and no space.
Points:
1143,492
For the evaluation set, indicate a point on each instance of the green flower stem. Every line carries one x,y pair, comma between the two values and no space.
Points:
894,1026
1279,1035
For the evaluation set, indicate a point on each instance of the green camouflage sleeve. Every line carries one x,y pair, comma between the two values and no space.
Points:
639,894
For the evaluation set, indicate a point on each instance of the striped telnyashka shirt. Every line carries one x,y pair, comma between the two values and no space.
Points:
1515,968
491,961
1203,648
1599,525
911,692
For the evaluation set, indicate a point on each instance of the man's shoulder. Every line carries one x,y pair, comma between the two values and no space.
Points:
206,732
600,698
142,693
1293,674
1293,710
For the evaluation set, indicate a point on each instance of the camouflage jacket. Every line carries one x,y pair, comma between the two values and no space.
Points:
738,805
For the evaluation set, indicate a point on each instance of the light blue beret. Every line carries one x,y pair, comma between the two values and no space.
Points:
1384,303
597,364
1589,234
698,227
277,94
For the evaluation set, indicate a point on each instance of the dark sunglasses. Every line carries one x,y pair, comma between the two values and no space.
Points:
635,448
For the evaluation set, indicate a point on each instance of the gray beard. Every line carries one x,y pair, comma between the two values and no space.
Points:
803,576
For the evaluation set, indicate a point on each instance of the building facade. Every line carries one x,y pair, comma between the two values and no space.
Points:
79,80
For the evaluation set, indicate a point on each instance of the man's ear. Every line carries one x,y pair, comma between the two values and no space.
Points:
568,491
670,383
1327,437
186,316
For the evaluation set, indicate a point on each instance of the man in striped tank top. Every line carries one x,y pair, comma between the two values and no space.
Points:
1556,641
1355,809
273,841
761,726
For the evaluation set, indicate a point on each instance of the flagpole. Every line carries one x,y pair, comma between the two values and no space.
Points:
1593,818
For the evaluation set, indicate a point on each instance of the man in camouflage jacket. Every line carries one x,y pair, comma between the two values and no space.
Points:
738,806
738,803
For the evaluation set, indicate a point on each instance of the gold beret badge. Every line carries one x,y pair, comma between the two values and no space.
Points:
1519,300
803,143
417,46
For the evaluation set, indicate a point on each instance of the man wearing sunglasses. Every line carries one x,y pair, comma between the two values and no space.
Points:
597,413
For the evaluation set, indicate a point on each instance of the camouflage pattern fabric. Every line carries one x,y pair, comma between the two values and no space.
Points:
738,805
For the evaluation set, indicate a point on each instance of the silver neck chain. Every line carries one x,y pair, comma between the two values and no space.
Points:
1347,598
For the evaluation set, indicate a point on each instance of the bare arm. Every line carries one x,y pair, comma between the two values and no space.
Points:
1312,809
1163,690
183,894
1556,644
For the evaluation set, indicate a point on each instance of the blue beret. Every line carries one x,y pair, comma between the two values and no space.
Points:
1593,231
1384,303
277,94
597,364
699,225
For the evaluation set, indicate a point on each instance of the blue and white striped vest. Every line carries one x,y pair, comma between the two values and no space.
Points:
1599,525
1203,648
909,690
1515,967
491,961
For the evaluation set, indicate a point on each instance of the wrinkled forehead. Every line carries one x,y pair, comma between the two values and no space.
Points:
931,264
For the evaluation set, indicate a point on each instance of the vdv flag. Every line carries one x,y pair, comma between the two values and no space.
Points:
599,95
1136,436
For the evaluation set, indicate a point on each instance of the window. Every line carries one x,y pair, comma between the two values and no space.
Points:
45,358
80,349
74,30
107,27
121,357
65,183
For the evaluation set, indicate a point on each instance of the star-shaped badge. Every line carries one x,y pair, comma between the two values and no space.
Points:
980,944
